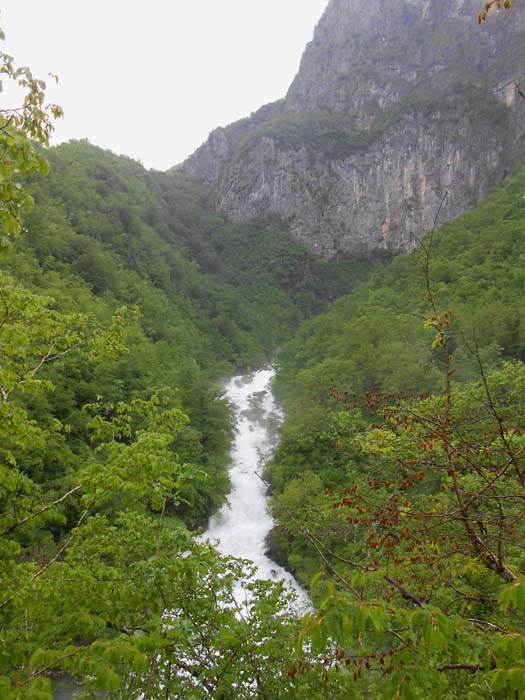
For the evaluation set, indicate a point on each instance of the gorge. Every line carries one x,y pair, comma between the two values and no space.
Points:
397,461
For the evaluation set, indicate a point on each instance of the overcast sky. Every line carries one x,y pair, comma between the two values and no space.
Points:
151,79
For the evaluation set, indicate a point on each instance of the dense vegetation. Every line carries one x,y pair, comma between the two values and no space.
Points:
106,234
400,470
373,337
122,307
376,339
400,479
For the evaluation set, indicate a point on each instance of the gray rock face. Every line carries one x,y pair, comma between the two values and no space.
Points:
399,106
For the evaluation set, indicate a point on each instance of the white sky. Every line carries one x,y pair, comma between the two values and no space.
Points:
151,79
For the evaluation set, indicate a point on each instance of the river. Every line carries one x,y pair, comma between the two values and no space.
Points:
241,526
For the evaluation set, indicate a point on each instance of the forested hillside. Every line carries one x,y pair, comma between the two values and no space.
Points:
204,296
125,304
398,485
399,475
380,337
375,337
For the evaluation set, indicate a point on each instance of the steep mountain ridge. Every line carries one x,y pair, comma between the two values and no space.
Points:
394,106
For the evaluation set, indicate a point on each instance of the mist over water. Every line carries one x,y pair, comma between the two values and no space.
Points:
241,526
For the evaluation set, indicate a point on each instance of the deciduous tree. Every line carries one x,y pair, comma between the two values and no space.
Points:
23,129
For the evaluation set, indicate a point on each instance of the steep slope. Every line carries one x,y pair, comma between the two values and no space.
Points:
105,233
105,216
376,336
375,342
395,108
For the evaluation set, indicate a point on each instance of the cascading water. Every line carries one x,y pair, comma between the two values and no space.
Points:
241,526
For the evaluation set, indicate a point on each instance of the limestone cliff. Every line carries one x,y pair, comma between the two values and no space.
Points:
398,105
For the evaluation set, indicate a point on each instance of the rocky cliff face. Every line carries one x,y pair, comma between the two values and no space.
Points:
398,105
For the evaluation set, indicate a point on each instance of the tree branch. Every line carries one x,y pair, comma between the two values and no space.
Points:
407,595
10,529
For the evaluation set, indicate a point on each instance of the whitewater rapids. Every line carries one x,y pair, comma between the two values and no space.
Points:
241,526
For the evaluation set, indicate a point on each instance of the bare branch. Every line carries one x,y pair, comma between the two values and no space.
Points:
10,529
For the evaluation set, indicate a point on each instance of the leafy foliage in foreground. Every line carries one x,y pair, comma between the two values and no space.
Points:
401,471
135,301
22,129
98,581
425,543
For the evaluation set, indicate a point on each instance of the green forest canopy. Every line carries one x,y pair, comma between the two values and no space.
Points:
398,482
